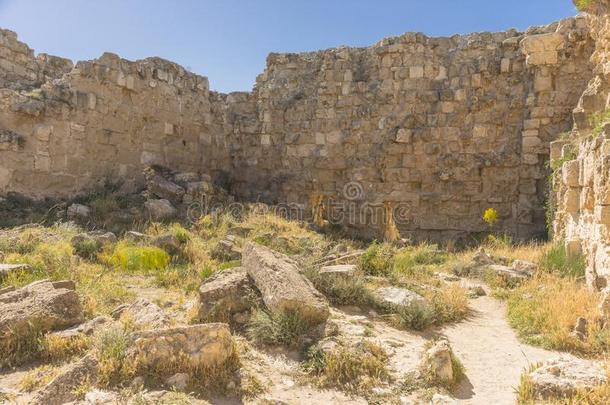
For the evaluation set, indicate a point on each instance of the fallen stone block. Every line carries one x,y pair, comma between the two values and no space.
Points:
563,377
182,348
61,389
6,269
395,298
142,314
283,287
160,209
343,271
165,189
227,293
43,305
437,362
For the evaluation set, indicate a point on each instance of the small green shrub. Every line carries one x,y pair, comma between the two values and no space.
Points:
556,261
417,316
285,328
378,259
139,258
110,347
87,248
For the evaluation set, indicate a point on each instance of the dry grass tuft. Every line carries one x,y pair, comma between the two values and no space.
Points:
544,311
354,368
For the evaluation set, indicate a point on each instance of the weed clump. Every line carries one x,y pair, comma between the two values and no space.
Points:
378,259
354,368
284,328
556,261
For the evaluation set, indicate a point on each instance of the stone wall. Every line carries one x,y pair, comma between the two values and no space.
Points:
61,134
583,163
442,128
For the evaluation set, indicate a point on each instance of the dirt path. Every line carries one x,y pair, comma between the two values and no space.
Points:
491,353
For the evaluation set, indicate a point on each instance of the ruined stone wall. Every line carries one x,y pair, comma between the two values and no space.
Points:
582,160
441,128
62,131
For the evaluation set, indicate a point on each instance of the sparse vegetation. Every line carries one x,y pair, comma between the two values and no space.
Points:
138,258
556,261
544,311
354,368
283,329
583,5
378,259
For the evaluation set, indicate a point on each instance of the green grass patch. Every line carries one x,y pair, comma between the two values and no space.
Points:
557,261
138,258
283,329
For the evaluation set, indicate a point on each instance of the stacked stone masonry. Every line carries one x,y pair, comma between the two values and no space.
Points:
583,163
441,127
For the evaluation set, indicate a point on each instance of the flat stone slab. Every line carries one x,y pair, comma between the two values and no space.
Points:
396,298
340,270
6,269
563,377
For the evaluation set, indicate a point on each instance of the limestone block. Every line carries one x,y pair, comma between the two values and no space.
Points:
403,136
442,73
531,124
543,58
529,158
570,173
541,43
587,199
265,139
505,65
42,162
602,214
543,83
557,148
573,247
281,284
320,138
168,129
91,101
530,144
43,132
571,202
416,72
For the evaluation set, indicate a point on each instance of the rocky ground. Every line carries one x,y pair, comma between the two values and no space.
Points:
260,310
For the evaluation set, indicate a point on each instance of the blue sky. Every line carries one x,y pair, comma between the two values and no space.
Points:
228,40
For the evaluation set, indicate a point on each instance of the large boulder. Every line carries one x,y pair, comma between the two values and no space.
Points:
182,348
283,287
78,211
44,305
227,295
563,377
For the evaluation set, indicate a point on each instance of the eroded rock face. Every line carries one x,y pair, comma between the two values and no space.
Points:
226,294
563,377
282,286
185,347
43,304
